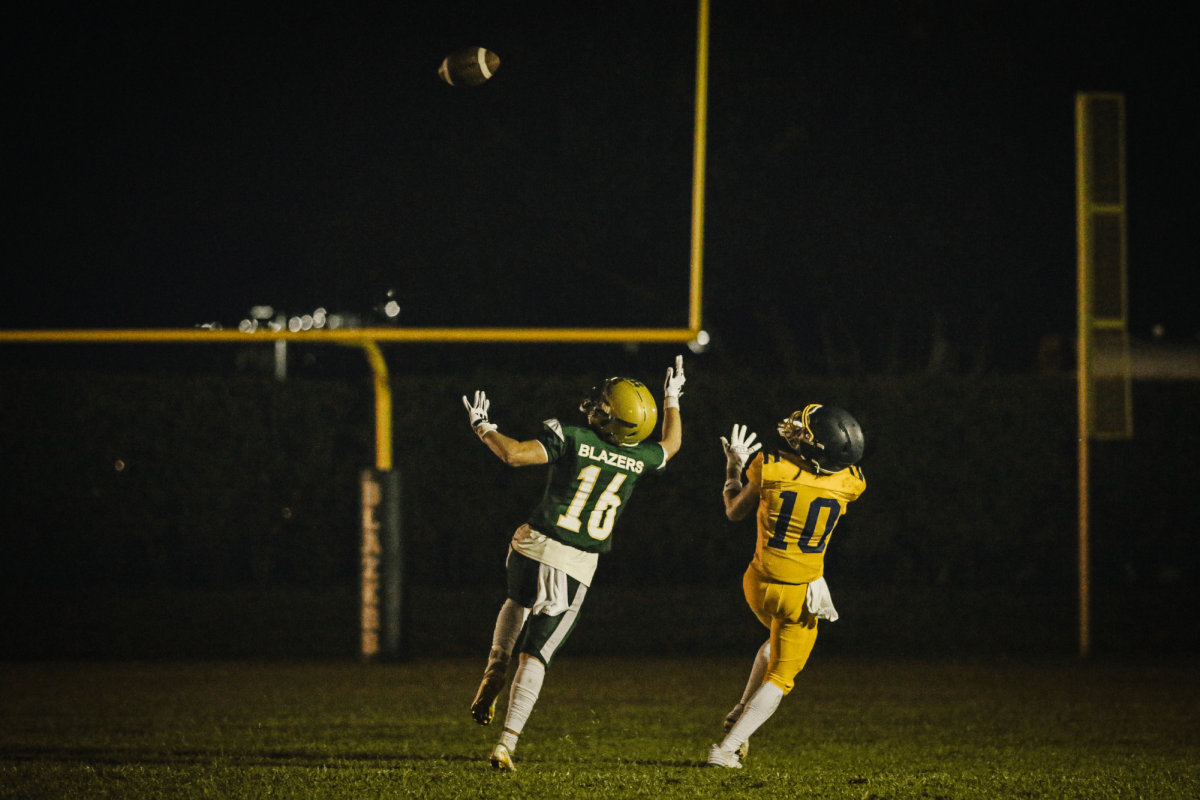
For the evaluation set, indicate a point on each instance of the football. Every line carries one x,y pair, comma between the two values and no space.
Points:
469,66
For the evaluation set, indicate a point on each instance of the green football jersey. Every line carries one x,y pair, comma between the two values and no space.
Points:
589,484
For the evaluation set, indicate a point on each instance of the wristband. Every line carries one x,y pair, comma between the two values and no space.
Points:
671,401
734,485
484,428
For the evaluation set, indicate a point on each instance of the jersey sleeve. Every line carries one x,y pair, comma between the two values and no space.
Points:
653,456
754,471
856,483
553,437
650,457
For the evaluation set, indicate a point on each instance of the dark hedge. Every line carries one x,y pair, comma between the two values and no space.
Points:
244,484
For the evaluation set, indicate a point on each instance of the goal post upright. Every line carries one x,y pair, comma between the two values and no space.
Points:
1104,369
699,172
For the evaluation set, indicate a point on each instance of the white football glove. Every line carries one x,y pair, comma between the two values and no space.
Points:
478,412
673,388
739,447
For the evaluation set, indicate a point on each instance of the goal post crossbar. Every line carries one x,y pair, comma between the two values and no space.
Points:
367,338
356,335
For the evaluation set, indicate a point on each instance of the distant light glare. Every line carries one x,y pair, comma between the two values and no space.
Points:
294,324
262,312
392,309
700,343
318,317
248,325
306,322
335,322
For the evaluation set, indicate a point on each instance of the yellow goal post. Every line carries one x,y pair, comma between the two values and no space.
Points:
1104,378
381,542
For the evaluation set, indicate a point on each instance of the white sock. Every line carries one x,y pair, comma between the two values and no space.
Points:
760,708
508,626
526,686
757,672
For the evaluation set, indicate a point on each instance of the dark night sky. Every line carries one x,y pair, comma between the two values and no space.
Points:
876,170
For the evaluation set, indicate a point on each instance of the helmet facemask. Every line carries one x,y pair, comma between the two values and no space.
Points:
796,431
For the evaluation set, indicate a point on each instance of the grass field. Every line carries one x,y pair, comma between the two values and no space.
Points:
604,728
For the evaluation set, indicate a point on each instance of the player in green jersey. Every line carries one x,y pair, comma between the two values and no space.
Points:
553,556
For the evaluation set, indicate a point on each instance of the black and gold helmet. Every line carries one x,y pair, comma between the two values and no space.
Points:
826,435
621,410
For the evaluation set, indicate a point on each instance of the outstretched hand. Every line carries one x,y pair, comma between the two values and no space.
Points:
740,446
675,380
478,412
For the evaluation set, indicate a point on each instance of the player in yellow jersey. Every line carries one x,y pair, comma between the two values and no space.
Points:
800,494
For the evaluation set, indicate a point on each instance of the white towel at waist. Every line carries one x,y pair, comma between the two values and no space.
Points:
552,595
818,600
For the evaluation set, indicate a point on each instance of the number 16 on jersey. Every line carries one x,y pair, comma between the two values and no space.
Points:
604,513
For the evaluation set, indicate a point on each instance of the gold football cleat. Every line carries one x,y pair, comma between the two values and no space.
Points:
732,717
483,708
502,759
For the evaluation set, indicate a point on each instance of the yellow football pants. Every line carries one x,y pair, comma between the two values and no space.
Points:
782,608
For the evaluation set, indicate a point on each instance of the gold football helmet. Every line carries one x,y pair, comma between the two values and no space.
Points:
622,411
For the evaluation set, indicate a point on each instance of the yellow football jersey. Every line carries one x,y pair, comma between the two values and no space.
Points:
797,511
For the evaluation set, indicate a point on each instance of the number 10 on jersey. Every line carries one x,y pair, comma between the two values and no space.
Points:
807,537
